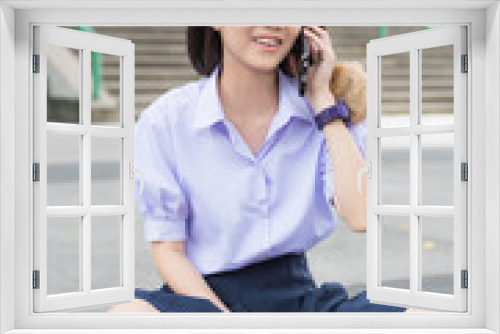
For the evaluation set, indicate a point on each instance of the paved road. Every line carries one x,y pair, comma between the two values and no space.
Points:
341,257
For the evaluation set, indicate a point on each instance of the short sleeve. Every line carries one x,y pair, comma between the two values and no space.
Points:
326,173
358,134
163,202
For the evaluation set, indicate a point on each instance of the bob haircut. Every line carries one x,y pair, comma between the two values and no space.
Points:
204,48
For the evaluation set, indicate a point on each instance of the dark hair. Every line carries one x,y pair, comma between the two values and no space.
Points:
204,48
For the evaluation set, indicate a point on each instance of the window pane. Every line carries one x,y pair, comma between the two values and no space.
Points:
395,170
395,248
395,90
437,85
105,89
437,254
106,171
63,84
437,169
106,251
63,254
63,169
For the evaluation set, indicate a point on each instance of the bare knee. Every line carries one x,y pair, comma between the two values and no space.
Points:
135,306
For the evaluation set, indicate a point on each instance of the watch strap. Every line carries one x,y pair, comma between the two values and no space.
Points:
331,113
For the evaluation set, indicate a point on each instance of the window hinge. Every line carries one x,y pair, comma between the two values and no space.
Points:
36,279
464,172
36,63
36,172
464,63
465,279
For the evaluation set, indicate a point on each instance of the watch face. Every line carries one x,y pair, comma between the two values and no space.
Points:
342,109
338,110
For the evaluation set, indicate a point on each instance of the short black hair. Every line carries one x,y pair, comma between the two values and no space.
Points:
204,48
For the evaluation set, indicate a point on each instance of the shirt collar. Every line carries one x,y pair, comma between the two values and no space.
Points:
209,109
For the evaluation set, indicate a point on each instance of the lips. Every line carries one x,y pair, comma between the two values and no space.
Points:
275,38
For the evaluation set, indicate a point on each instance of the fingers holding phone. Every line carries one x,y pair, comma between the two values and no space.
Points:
323,59
318,39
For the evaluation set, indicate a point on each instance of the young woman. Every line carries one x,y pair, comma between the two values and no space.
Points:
240,180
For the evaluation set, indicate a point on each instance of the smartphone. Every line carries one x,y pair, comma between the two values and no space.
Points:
302,52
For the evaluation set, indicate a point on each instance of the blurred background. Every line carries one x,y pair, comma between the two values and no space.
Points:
161,63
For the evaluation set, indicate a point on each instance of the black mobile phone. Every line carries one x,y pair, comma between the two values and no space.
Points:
302,53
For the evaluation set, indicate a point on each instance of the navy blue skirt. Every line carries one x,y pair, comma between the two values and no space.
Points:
281,284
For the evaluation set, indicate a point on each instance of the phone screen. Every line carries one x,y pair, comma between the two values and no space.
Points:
303,56
302,52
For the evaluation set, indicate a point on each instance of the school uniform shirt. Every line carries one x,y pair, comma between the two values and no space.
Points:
203,185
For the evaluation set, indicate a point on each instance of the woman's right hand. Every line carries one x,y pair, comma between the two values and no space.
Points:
180,273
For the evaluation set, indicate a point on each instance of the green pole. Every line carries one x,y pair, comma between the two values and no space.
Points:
96,61
382,31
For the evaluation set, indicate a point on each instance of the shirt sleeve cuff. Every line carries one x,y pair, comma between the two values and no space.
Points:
329,188
358,133
164,230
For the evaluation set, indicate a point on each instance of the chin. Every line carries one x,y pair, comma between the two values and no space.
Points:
265,67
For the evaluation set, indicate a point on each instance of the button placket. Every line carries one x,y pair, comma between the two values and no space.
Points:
264,205
262,184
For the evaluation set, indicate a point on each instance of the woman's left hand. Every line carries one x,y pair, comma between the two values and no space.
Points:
320,73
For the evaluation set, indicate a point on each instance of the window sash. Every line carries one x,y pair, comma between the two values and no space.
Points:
85,43
413,43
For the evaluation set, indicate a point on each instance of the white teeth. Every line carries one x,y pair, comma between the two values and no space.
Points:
267,41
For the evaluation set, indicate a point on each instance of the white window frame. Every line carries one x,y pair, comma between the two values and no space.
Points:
84,132
414,44
481,17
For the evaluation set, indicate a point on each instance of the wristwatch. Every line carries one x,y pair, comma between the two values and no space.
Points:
331,113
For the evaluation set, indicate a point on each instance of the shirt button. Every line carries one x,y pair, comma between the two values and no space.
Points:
263,190
262,172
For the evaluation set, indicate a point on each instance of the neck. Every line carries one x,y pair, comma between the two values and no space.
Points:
246,93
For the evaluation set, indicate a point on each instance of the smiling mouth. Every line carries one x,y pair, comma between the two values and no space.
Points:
270,42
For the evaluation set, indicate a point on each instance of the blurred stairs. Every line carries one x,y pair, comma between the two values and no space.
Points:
162,63
160,57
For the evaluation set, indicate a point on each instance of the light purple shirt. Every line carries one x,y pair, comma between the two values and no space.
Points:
203,185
